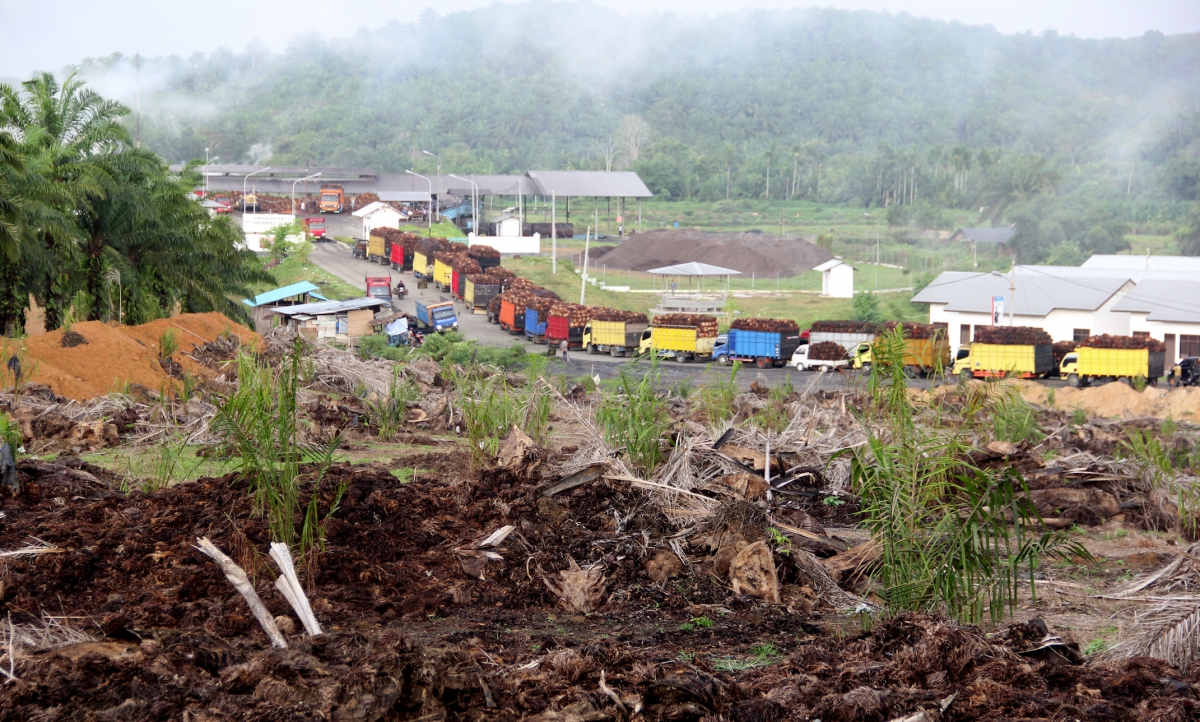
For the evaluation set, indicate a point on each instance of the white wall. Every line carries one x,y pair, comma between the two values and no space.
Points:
1060,324
381,218
838,282
509,245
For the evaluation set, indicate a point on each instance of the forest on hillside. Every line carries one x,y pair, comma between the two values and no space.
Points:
1075,140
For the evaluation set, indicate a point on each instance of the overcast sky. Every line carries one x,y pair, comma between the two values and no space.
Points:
48,34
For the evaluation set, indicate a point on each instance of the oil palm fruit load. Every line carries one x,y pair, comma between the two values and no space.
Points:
1123,342
826,351
541,305
577,314
1061,349
706,326
483,279
395,235
430,246
502,272
483,251
602,313
493,306
465,265
520,283
1012,335
915,330
770,325
845,327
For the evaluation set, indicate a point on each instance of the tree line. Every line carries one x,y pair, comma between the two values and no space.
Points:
95,228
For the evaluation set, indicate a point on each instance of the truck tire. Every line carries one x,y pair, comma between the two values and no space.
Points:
591,348
762,362
1073,380
616,351
722,360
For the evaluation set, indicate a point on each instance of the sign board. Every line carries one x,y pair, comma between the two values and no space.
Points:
997,310
258,226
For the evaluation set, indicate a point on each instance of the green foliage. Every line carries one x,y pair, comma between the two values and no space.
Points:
703,622
538,397
716,396
1014,420
490,409
10,431
387,414
376,346
866,307
954,537
258,425
451,347
633,416
171,462
168,344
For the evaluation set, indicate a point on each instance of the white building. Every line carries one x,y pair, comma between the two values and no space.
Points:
837,279
507,226
378,215
1122,295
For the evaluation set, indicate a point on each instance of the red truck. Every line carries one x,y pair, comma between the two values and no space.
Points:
558,329
380,287
316,227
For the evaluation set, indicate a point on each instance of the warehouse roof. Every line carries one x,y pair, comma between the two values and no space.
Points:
599,183
283,292
330,307
1169,301
985,235
1038,291
493,185
1175,264
374,207
404,196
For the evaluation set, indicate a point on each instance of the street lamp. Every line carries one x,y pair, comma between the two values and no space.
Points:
314,175
246,178
474,206
430,213
1012,290
439,160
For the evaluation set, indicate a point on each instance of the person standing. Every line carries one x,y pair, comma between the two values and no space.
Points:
565,350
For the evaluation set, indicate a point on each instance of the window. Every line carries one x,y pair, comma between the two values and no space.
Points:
1080,334
1189,345
1141,334
964,334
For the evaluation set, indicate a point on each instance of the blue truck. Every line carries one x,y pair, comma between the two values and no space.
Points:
535,327
763,348
437,316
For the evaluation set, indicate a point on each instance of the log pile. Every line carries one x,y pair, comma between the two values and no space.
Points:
1012,335
770,325
1104,340
483,251
577,315
845,327
602,313
827,351
915,330
706,326
1061,349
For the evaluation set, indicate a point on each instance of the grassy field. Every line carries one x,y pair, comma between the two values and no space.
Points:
296,268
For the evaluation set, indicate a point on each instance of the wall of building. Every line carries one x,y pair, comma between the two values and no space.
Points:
838,282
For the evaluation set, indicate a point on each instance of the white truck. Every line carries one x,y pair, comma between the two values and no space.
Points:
848,341
802,362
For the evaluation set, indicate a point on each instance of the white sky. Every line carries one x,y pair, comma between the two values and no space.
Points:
48,34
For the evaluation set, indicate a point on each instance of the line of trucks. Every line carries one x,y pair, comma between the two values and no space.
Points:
474,277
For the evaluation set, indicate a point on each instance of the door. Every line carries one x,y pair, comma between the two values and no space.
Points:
964,334
1169,341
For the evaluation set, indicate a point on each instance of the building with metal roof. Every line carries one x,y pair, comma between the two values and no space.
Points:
1073,302
331,307
984,235
591,183
291,295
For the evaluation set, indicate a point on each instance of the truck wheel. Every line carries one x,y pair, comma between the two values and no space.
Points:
762,362
591,348
1073,380
966,374
723,360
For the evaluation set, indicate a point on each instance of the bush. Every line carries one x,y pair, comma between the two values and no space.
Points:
168,344
866,307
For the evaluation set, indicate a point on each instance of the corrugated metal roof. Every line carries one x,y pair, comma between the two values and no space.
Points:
493,185
1171,301
599,183
1038,291
404,196
985,235
279,294
693,268
373,207
1174,264
330,307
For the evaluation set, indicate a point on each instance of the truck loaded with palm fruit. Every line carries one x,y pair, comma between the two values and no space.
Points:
764,342
565,322
847,334
1114,358
1006,352
614,332
682,336
926,349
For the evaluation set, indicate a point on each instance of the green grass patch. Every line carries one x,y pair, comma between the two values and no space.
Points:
296,268
159,466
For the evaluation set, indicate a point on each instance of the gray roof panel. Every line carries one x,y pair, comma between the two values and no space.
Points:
1037,292
599,183
987,235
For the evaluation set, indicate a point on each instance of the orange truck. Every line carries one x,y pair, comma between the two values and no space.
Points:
333,198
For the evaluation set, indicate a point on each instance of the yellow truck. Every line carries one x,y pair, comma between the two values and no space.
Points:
616,338
421,266
994,360
377,249
921,355
683,343
1086,365
441,274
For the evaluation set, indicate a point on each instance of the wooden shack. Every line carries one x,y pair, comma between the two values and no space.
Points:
342,321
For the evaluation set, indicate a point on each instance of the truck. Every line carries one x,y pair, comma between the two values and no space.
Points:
921,355
763,348
683,343
421,267
442,274
802,362
994,360
617,338
400,256
1086,365
559,329
535,325
380,287
333,198
847,340
510,319
478,295
377,249
316,228
437,316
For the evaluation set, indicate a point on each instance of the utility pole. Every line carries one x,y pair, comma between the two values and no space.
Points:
584,278
553,236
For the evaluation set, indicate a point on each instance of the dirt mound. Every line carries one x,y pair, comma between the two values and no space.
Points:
757,253
1116,400
111,356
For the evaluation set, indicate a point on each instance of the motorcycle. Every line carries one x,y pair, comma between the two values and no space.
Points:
400,291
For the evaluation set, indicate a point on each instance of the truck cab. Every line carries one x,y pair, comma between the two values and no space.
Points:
647,342
438,316
962,360
316,228
1069,368
861,356
332,199
380,287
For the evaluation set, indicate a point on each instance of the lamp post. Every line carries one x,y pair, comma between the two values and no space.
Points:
474,206
1012,290
246,178
314,175
439,177
430,213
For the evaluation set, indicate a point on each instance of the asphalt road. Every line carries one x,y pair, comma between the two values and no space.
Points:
336,258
